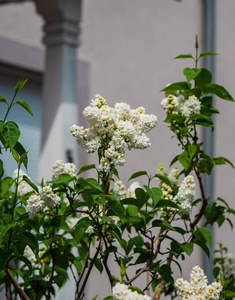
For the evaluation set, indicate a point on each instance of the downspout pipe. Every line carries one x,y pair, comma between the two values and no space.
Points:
208,37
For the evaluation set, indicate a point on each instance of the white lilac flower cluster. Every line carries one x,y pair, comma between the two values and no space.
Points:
46,197
121,192
229,265
113,130
59,168
121,292
29,254
197,288
186,194
178,105
23,187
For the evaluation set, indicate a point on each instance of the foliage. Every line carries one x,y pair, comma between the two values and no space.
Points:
77,223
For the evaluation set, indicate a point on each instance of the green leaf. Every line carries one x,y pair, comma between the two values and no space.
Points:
219,91
141,196
86,168
2,124
138,241
154,193
184,56
116,207
203,246
1,169
33,186
187,247
6,183
163,178
25,106
229,294
205,232
168,203
196,42
79,233
4,257
29,239
21,150
138,174
63,179
207,54
216,271
132,210
5,229
26,261
185,160
165,272
190,74
177,86
19,85
78,265
174,160
199,119
222,161
99,265
162,224
2,99
94,183
203,78
130,201
193,149
11,133
15,155
175,117
107,298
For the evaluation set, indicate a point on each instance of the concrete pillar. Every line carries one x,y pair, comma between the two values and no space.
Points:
61,31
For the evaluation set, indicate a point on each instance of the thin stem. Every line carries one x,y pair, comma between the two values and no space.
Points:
9,107
89,271
16,285
83,271
53,267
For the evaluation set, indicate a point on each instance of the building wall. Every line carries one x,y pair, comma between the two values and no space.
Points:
128,48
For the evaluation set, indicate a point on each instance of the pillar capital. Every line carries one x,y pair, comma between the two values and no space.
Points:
62,18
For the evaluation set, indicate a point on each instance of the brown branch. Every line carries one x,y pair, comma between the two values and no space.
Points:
204,200
16,285
159,240
89,271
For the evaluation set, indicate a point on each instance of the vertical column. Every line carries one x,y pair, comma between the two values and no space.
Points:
208,35
61,31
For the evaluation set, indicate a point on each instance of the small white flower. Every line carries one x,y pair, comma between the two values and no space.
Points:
197,288
59,168
119,190
34,205
121,292
191,106
186,194
229,265
131,190
49,197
